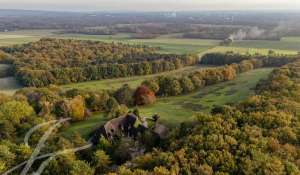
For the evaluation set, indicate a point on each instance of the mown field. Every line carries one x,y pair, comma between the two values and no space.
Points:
174,110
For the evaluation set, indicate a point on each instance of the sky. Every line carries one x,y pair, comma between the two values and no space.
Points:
150,5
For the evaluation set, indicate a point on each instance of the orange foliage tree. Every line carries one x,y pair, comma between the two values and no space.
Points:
143,96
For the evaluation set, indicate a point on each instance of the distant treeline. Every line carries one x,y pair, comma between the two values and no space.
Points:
56,61
229,58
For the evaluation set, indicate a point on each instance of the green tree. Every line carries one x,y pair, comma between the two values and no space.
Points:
101,161
81,168
187,85
15,111
169,86
124,95
77,108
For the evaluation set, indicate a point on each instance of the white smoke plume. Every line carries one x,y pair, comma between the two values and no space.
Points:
252,33
255,33
239,35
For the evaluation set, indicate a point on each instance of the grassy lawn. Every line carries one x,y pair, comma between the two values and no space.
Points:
132,81
174,110
87,126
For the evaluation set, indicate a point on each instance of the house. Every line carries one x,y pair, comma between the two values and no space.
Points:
129,125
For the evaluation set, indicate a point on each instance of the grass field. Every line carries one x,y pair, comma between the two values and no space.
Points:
174,110
24,36
133,81
178,109
288,43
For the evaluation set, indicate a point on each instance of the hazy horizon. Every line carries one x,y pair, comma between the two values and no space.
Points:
145,5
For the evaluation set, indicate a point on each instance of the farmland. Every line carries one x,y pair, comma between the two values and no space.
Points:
167,43
288,43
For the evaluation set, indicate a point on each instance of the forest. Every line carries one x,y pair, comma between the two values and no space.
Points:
57,61
258,135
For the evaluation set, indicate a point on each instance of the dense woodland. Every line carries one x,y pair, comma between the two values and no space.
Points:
57,61
271,60
256,136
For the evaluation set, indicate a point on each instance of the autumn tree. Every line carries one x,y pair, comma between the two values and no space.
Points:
144,96
152,85
15,111
186,84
